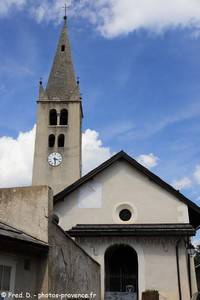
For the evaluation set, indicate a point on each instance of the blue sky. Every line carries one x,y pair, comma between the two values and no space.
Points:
140,85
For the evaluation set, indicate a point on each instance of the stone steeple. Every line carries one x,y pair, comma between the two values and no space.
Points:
62,82
57,158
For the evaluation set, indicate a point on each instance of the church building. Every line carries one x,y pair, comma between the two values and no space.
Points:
135,225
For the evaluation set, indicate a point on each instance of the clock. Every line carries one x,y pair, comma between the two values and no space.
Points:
55,159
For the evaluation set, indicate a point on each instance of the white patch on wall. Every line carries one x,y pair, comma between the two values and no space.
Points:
90,195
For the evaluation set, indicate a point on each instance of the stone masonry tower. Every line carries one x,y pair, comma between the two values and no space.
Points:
57,158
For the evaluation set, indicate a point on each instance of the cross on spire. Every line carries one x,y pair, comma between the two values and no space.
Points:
65,8
65,16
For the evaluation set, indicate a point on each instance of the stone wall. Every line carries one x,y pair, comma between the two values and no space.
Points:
64,268
71,269
27,209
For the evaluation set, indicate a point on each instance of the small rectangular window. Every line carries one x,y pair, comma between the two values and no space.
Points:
5,276
63,48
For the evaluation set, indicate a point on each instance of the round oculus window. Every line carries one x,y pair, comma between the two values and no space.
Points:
125,214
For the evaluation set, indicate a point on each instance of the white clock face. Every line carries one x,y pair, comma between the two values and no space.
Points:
55,159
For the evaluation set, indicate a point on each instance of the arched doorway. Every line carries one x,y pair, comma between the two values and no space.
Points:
121,273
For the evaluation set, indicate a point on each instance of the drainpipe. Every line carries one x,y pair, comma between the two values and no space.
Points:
189,271
189,275
178,268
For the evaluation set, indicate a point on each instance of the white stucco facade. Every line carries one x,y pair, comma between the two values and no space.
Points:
99,201
156,261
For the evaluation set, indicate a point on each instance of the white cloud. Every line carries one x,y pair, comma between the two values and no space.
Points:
197,174
148,160
48,10
16,159
17,156
187,182
6,5
122,17
182,183
93,151
116,17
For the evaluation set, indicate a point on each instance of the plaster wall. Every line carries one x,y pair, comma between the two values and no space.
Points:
100,200
156,261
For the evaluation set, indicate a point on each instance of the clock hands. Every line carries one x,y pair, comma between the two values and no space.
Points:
55,159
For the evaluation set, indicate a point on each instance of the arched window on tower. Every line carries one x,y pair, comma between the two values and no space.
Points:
61,140
64,117
51,140
53,117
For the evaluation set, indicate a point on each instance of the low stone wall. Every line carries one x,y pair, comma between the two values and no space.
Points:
71,269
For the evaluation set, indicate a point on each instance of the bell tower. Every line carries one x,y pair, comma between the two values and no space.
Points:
57,157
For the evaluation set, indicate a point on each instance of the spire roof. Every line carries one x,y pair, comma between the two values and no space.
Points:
62,82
